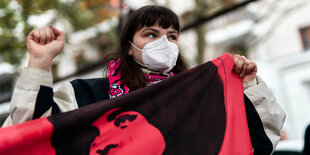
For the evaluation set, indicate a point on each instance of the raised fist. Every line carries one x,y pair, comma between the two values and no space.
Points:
245,68
44,45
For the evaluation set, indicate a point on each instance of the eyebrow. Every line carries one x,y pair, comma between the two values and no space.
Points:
157,31
173,32
149,28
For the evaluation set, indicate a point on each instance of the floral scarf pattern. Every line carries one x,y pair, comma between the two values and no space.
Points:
117,88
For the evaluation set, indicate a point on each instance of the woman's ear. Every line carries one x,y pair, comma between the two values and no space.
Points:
130,52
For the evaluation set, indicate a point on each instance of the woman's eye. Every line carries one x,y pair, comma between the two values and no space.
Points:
172,38
151,36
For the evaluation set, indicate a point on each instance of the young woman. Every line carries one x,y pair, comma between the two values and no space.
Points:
148,53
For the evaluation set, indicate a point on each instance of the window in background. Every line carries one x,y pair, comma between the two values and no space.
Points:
305,37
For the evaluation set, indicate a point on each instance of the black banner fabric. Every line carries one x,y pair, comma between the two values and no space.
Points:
200,111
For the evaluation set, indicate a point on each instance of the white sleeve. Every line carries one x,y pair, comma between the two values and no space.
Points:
25,94
269,111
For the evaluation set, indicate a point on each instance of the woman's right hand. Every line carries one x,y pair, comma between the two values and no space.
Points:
44,45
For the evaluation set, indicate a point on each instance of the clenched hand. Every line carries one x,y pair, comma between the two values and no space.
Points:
245,68
44,45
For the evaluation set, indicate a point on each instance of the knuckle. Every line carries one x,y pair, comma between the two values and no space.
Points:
243,57
47,29
32,31
248,62
236,57
36,34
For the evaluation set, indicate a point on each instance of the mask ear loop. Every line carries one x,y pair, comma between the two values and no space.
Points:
143,65
135,46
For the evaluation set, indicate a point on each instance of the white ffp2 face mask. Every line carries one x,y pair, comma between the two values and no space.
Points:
160,55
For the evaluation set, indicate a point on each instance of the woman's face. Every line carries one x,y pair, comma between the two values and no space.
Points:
148,34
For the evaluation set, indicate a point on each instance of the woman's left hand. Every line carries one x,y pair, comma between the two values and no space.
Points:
245,68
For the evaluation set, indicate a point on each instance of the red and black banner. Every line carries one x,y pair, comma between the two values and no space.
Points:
200,111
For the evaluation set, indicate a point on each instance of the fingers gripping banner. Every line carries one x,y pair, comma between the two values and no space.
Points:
200,111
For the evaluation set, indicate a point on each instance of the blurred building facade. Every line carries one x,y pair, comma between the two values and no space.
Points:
276,35
286,56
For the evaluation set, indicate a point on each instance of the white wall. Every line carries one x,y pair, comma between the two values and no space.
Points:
295,92
285,38
282,61
287,79
285,67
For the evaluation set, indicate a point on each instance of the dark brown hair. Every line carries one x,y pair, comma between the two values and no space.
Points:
131,73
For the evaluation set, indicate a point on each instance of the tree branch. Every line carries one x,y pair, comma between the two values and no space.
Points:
203,20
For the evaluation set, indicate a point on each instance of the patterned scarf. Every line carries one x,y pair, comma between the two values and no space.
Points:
117,88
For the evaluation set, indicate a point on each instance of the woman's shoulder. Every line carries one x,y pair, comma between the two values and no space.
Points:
92,81
90,90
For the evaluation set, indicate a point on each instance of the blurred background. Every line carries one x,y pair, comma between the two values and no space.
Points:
273,33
